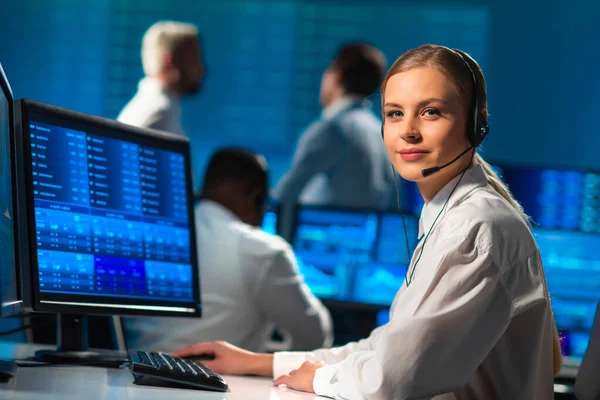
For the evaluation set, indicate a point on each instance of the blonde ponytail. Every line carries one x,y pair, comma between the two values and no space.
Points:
495,182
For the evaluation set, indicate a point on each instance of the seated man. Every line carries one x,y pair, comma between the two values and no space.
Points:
248,278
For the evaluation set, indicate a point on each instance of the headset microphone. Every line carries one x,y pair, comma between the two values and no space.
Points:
430,171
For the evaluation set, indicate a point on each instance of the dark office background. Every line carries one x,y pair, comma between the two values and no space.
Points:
265,59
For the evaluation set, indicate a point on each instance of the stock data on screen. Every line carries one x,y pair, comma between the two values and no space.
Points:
572,267
564,206
351,256
111,216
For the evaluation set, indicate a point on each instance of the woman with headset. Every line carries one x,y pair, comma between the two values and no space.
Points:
473,319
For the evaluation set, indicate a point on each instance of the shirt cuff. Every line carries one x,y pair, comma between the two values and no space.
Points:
286,361
322,382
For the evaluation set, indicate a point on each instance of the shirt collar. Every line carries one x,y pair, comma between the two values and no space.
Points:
473,178
217,210
342,104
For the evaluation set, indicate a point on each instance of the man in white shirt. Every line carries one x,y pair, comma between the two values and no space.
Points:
340,159
248,278
172,63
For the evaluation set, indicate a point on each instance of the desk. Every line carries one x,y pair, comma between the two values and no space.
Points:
92,383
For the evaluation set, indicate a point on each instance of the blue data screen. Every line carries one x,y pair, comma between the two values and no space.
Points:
565,208
269,224
351,256
572,267
557,199
111,217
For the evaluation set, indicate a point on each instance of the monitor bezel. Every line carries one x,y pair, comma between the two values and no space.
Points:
13,307
334,302
86,304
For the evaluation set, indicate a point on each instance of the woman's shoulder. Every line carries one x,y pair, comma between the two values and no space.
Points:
488,221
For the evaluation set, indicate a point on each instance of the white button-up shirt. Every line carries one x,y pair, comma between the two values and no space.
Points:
248,279
153,106
474,323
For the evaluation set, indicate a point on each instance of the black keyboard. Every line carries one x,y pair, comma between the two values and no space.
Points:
162,369
8,370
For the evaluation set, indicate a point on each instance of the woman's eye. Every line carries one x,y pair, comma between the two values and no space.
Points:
394,114
430,112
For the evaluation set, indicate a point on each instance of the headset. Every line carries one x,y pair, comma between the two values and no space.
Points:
477,130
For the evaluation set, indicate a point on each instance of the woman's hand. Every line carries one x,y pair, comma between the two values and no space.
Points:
229,360
301,378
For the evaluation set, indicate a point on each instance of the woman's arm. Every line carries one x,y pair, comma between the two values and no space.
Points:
433,348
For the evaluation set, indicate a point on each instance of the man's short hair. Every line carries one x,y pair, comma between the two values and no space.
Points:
162,38
236,165
361,68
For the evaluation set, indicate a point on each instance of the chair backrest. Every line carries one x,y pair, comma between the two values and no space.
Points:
587,384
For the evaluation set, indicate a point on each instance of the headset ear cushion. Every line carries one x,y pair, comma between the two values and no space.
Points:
481,131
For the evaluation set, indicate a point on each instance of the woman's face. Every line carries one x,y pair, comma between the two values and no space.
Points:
424,124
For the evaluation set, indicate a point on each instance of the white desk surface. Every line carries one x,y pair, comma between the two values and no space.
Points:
93,383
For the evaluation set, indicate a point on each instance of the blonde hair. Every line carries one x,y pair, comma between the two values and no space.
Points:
162,38
451,64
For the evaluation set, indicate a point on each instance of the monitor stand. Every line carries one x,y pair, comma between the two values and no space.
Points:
72,345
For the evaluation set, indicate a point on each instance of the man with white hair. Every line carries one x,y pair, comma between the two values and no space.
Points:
173,67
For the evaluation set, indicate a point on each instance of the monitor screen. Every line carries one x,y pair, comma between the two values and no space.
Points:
383,317
557,199
112,218
9,293
572,267
353,256
564,207
271,220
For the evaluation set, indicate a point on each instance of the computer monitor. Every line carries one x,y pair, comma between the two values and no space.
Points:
350,256
10,296
572,267
557,198
108,224
270,222
563,204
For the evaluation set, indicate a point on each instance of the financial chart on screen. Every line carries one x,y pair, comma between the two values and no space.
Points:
557,199
572,267
270,223
111,216
565,208
353,256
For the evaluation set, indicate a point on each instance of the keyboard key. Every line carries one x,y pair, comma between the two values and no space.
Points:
199,370
187,367
143,358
